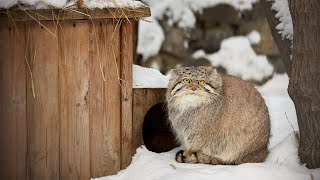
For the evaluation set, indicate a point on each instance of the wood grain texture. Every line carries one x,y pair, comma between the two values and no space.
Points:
12,102
143,100
73,14
304,85
104,98
126,92
42,102
73,102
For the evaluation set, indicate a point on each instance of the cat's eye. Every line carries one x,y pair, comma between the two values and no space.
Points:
201,82
186,80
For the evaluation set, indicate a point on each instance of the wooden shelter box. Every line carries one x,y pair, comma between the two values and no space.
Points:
66,105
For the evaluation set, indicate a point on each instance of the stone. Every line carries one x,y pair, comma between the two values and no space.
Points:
195,38
255,20
277,64
210,38
174,42
213,37
267,45
220,14
163,62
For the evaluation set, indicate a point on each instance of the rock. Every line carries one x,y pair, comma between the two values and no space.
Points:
220,14
267,45
214,36
163,62
210,39
255,20
277,64
195,38
174,42
196,62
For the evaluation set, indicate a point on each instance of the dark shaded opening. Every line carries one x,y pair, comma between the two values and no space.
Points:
156,131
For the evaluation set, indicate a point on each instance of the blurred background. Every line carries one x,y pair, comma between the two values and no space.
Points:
231,35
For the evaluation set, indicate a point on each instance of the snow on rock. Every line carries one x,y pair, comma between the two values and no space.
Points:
254,37
181,12
148,78
238,58
147,165
285,26
44,4
150,39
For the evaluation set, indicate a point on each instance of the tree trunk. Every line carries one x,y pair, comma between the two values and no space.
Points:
303,70
304,86
284,45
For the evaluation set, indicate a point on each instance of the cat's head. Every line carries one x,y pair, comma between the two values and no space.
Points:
193,86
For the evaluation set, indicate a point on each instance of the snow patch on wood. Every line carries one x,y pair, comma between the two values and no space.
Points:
148,78
60,4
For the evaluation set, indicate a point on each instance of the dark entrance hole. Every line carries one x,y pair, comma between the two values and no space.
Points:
156,131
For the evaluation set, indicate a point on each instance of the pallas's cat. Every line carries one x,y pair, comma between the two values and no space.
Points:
217,119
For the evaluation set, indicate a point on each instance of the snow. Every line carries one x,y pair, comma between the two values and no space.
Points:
181,12
148,78
282,162
111,3
150,39
281,108
44,4
254,37
285,27
7,3
147,165
238,58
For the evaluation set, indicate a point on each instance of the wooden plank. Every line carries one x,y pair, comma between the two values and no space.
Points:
126,92
63,14
12,102
42,101
143,100
104,98
73,102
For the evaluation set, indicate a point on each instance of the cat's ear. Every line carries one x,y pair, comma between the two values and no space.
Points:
211,70
174,72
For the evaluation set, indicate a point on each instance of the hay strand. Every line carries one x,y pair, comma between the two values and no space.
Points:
28,65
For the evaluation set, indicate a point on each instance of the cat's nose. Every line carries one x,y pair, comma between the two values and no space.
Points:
194,87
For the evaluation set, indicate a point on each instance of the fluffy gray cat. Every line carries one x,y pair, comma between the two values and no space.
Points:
217,119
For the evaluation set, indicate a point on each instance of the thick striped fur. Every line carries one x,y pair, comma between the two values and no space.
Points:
222,121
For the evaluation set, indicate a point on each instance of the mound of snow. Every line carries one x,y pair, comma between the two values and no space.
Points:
238,58
150,39
148,78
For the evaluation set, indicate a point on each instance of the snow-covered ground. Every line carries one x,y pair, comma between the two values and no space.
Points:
282,162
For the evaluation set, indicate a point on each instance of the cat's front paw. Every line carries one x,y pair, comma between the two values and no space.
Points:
186,157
